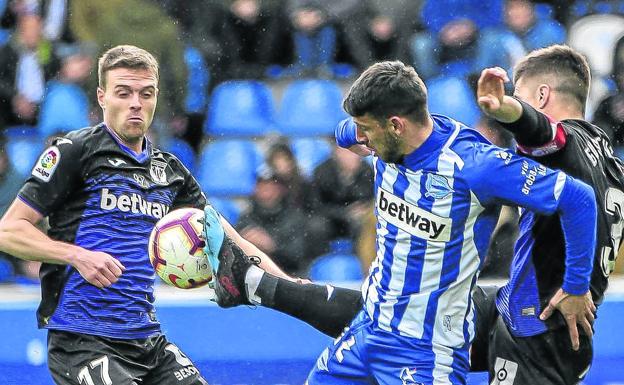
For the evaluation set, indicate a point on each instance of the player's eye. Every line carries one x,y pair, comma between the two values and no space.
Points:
147,94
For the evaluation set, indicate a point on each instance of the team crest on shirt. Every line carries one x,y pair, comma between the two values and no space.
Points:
438,186
46,164
158,171
407,377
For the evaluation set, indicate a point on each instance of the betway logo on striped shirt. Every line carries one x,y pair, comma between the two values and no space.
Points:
411,218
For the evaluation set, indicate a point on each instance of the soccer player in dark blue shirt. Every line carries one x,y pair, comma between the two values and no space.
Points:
526,340
103,188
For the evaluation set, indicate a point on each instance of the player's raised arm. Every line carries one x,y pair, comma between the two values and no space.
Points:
535,133
526,183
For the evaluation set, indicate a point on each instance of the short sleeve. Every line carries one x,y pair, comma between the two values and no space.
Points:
54,176
190,195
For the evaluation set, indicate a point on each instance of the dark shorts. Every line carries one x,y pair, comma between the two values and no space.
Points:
91,360
545,359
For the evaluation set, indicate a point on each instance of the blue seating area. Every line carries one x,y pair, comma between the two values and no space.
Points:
452,96
310,108
23,148
229,167
65,108
240,108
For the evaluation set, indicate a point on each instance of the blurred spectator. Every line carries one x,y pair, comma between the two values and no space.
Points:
610,112
141,23
275,227
26,63
389,24
452,28
342,194
523,32
314,37
283,164
256,32
66,105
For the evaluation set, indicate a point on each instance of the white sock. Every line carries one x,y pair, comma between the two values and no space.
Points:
252,280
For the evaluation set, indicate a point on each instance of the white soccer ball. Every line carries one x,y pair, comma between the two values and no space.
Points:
175,249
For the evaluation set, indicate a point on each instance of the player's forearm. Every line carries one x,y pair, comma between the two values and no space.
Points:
578,213
23,240
532,128
510,110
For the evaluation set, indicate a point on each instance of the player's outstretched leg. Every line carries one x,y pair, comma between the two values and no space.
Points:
229,263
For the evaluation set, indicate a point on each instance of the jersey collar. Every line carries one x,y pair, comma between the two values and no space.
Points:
431,145
140,157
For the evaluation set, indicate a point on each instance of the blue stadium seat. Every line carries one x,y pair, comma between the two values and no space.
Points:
65,108
182,150
310,108
228,208
198,78
23,152
310,152
240,108
453,97
336,267
228,168
544,11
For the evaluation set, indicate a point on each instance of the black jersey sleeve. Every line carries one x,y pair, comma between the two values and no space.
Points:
54,176
190,195
535,133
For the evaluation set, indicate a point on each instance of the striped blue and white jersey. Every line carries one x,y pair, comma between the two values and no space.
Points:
435,213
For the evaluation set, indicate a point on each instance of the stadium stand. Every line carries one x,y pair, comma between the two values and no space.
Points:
240,108
228,168
310,108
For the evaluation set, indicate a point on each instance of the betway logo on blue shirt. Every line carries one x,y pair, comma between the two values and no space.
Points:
411,218
133,203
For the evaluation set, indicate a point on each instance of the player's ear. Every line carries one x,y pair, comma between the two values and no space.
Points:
398,124
100,97
543,95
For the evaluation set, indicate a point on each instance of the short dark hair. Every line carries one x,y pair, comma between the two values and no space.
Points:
125,56
561,63
388,88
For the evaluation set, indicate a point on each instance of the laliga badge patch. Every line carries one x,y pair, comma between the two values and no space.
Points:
46,165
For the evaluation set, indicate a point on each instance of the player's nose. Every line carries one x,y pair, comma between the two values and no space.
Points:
135,101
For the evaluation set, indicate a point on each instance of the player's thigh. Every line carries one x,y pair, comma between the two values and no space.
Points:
172,366
342,362
484,298
397,360
75,359
546,359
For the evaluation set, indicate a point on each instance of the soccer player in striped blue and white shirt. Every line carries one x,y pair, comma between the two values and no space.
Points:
439,187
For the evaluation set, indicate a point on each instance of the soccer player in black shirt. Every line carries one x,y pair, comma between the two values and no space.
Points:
520,338
528,340
103,188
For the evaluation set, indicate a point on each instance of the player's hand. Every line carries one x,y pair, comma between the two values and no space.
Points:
98,268
576,309
491,89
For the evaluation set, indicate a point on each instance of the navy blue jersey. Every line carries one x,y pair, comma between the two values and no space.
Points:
100,195
583,151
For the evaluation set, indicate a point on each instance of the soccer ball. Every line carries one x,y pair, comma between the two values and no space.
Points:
176,249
